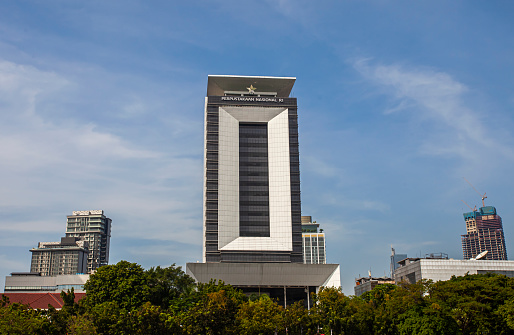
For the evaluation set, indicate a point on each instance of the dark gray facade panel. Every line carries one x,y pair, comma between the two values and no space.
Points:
211,196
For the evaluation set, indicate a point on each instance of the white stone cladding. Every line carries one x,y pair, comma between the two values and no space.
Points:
279,179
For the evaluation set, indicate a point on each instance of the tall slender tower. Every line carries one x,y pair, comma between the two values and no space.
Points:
252,175
484,233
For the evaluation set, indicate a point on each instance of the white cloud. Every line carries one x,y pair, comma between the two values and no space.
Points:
55,160
455,127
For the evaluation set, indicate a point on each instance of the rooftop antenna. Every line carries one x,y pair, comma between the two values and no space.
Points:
483,196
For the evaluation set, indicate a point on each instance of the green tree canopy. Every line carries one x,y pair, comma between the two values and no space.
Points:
124,284
168,285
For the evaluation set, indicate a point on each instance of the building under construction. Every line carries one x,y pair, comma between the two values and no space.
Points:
484,233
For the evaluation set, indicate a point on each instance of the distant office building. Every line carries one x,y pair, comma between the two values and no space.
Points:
395,258
484,233
413,270
95,228
313,241
60,258
365,284
252,211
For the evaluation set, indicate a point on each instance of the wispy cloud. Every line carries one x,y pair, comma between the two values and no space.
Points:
53,159
436,97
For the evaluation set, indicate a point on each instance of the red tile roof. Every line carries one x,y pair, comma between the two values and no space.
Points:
40,300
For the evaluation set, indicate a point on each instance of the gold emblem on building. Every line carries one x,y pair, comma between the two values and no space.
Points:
251,89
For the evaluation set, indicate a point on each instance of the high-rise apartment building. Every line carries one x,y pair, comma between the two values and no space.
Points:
252,174
95,228
484,233
313,241
67,257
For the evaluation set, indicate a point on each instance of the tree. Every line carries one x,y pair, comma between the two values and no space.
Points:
429,320
379,294
475,302
297,319
149,320
21,319
81,325
391,306
168,285
214,314
330,309
109,318
262,316
123,284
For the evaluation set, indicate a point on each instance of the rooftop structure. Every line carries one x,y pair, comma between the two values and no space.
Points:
484,233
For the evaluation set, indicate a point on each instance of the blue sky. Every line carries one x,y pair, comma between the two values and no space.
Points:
101,107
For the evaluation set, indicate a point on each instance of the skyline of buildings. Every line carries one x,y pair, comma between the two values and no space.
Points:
258,185
57,266
484,234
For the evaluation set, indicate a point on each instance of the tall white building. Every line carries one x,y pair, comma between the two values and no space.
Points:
313,240
94,228
252,175
252,236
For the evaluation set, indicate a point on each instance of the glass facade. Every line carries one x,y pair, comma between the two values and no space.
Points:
314,249
253,180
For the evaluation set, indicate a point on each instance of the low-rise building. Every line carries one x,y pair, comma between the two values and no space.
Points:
365,284
413,270
33,282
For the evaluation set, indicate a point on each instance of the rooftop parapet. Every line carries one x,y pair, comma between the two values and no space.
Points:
487,210
220,85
